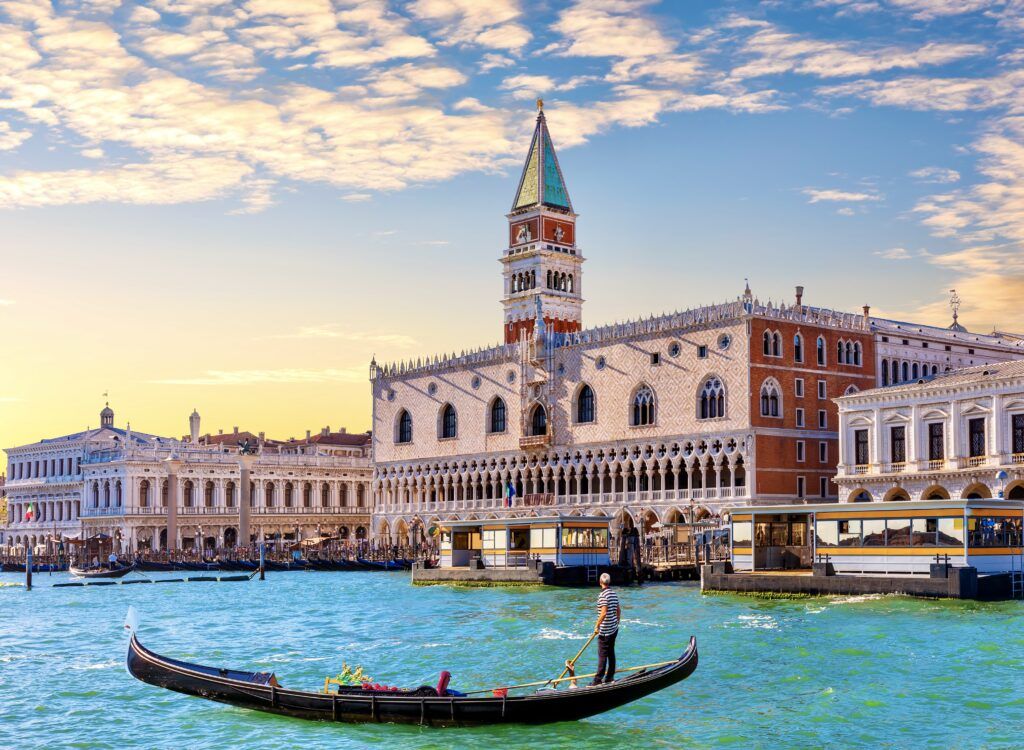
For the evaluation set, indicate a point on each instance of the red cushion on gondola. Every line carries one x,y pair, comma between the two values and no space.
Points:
442,682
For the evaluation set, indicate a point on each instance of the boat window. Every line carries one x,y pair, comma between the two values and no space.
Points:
741,531
994,531
798,534
951,532
542,538
873,532
519,539
446,537
827,533
492,539
926,532
584,538
898,532
849,533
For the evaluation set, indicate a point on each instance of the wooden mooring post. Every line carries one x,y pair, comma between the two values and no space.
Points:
28,569
263,560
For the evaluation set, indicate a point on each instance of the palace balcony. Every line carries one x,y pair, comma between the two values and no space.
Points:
610,502
533,442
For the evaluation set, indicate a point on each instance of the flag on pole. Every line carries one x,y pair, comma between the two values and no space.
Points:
510,492
29,512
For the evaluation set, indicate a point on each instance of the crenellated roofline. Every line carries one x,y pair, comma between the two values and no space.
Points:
681,321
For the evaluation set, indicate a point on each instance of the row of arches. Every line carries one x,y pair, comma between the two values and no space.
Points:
903,371
211,493
562,282
973,491
849,352
521,282
704,468
643,411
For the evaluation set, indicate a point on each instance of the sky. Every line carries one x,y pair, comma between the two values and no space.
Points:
233,206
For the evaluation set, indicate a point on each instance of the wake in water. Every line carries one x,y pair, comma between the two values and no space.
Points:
549,634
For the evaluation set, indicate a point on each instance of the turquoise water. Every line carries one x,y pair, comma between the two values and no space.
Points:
843,672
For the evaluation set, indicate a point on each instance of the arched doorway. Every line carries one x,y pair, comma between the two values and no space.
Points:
230,537
977,491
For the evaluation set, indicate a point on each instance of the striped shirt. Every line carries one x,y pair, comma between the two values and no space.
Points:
609,599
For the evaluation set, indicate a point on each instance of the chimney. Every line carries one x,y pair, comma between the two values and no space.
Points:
308,434
263,436
325,431
342,431
867,315
236,430
799,296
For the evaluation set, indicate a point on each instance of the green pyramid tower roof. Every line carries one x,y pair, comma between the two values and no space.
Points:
542,182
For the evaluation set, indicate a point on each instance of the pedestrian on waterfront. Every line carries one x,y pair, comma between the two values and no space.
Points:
607,628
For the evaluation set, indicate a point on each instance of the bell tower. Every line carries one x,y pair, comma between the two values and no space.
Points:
542,261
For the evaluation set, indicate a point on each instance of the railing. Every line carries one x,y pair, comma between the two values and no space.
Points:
936,464
608,499
530,442
894,468
312,510
976,461
861,468
1017,458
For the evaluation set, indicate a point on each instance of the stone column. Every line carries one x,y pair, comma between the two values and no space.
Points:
173,467
244,483
998,430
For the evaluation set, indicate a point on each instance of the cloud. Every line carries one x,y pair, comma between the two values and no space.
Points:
408,80
775,52
285,376
895,253
920,9
839,196
939,94
492,23
357,197
611,28
939,175
4,302
172,180
10,139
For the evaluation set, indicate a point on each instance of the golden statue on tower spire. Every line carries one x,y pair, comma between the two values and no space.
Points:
540,105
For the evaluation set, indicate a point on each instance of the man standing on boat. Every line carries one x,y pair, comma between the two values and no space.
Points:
607,627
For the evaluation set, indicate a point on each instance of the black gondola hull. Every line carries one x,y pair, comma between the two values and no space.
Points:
242,689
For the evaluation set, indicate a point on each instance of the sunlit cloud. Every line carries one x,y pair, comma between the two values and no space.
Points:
939,175
816,195
894,253
337,331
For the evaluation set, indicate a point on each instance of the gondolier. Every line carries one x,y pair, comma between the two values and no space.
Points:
607,628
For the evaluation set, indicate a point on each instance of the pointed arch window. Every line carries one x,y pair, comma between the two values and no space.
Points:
449,422
712,398
856,353
643,407
885,372
404,432
497,421
771,399
539,421
585,411
798,348
821,350
766,343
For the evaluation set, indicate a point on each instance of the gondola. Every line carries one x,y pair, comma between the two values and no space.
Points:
426,706
119,572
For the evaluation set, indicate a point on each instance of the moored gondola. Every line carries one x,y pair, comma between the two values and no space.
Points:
118,572
426,706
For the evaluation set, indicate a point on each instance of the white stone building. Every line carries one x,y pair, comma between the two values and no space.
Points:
119,482
954,435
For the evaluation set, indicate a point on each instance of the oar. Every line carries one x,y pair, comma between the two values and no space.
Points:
572,662
565,679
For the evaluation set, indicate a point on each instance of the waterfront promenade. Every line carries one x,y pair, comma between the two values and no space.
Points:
845,672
